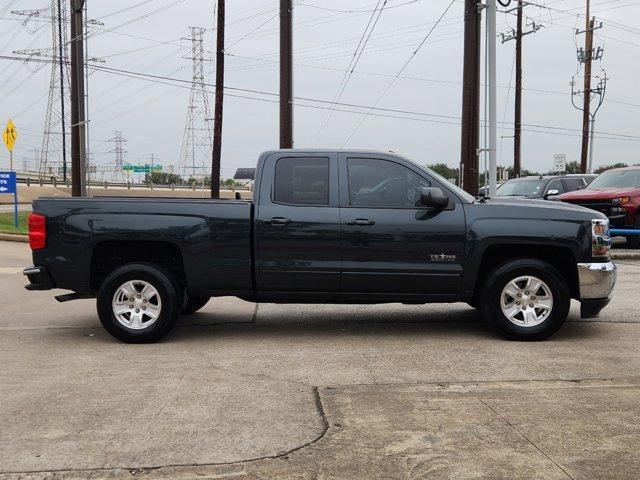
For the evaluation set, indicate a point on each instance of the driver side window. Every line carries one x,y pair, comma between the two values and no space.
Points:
382,183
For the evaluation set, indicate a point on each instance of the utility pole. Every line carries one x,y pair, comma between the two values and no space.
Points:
588,47
286,74
217,114
518,94
586,56
517,35
78,157
470,98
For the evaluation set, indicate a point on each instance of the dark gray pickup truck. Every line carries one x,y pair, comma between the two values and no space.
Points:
325,226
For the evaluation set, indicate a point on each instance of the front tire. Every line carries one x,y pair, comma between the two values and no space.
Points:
138,303
525,299
633,241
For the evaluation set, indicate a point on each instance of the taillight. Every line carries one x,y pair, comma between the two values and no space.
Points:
37,231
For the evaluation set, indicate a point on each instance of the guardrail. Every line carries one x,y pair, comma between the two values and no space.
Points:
53,181
623,231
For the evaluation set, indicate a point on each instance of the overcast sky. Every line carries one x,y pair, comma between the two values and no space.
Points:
147,37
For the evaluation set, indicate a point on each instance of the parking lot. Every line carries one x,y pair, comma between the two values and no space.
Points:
241,390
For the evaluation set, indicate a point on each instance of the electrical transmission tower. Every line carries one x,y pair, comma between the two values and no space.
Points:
53,157
119,151
589,94
197,139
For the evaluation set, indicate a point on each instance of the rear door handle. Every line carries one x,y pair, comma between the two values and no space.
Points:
279,221
360,222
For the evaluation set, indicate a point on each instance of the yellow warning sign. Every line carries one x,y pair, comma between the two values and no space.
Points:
10,135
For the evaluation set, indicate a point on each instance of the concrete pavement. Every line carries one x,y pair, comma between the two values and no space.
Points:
313,391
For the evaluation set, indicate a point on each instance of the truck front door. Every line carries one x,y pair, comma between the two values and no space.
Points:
390,243
298,224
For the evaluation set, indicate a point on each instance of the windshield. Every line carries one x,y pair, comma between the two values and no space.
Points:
523,188
617,179
457,190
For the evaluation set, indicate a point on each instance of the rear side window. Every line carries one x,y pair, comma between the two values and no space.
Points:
572,184
302,181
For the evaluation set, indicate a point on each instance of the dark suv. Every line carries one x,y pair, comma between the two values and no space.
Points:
544,186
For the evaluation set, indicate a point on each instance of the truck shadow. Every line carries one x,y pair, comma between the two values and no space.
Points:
456,320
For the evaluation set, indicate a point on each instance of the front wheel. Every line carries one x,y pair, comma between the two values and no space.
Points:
525,299
138,303
633,241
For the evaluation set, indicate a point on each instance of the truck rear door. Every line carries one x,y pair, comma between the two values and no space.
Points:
298,223
391,244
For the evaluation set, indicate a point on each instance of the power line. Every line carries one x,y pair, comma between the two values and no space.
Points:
402,69
364,39
166,80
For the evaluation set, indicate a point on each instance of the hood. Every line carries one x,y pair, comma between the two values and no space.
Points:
559,209
599,193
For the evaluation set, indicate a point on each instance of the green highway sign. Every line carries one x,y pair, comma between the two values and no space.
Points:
146,168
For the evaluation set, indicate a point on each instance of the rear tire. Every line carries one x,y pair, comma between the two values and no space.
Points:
193,304
525,299
138,303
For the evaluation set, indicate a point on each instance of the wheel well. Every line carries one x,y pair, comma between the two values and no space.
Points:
561,258
108,256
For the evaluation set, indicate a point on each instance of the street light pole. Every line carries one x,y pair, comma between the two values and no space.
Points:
492,94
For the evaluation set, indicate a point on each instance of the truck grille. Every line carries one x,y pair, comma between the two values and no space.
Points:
603,206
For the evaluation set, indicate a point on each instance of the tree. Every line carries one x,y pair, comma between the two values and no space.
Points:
162,178
609,167
445,170
573,167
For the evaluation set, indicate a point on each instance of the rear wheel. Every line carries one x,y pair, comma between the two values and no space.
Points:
138,303
525,299
193,304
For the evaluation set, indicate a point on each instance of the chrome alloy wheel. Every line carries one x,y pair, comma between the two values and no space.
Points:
136,304
526,301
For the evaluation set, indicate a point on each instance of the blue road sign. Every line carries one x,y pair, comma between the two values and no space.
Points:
8,182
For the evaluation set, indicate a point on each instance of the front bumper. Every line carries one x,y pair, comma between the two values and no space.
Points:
39,278
596,284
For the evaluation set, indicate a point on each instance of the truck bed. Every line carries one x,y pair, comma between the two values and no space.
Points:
210,238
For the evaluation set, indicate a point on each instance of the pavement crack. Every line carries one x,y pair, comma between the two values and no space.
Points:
142,470
515,429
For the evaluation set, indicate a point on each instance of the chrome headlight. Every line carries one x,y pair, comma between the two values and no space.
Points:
619,200
600,238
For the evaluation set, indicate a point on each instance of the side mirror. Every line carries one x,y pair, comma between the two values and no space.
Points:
551,193
433,197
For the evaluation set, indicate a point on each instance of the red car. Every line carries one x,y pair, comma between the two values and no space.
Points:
616,193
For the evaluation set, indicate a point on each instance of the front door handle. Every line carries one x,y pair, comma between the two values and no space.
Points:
360,222
279,221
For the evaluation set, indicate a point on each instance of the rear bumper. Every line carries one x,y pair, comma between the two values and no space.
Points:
39,278
596,284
